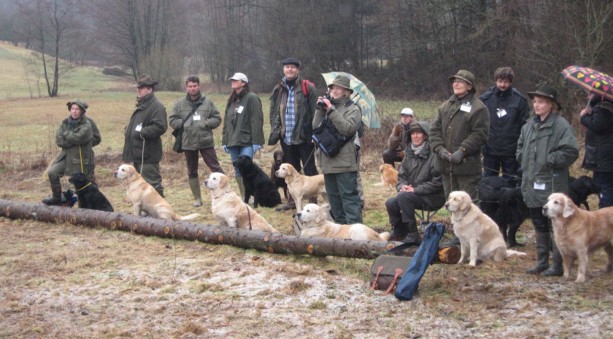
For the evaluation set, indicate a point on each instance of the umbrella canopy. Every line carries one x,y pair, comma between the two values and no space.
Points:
363,97
591,80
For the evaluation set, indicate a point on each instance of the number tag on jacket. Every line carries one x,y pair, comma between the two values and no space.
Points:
466,107
539,185
196,117
240,109
139,127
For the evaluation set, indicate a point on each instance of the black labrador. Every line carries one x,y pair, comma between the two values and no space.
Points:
88,193
581,188
277,159
257,183
502,200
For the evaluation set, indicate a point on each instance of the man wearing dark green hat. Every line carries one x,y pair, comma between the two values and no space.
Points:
75,137
143,134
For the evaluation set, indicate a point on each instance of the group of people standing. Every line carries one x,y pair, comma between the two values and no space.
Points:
470,137
494,134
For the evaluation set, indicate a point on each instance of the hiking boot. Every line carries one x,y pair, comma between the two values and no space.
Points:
412,238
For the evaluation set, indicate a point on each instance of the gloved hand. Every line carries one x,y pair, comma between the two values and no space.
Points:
456,157
225,148
256,148
443,153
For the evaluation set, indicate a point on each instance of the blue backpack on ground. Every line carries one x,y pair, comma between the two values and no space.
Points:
407,286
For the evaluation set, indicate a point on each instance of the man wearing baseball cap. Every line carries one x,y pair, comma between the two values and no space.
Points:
292,106
399,138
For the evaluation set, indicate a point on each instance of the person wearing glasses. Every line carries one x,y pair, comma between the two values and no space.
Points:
243,127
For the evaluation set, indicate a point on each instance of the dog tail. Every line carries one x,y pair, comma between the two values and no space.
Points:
385,236
517,253
189,217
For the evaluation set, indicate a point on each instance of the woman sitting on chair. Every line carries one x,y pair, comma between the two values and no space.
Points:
420,186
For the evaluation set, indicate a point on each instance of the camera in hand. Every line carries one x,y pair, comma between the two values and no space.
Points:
321,104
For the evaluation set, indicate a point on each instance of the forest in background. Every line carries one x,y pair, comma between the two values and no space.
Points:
400,48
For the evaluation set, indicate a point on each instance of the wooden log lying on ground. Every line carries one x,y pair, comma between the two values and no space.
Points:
269,242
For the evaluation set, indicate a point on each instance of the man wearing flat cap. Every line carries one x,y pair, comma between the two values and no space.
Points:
292,106
457,135
143,134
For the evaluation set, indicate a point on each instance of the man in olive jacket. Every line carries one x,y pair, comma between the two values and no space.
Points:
341,171
458,134
291,119
198,116
143,134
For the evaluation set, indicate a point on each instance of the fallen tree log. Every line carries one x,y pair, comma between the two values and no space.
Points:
262,241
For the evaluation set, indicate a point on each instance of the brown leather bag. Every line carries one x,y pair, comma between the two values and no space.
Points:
386,271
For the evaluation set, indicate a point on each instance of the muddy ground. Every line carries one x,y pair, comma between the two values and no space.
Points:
65,281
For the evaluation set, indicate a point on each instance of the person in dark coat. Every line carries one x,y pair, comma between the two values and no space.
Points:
598,119
546,148
420,186
399,138
143,134
292,106
508,111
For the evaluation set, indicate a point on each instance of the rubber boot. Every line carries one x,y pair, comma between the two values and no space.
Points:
289,205
194,185
555,269
412,237
399,231
56,196
241,187
455,241
543,246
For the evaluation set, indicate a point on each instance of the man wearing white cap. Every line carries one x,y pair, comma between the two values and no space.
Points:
397,141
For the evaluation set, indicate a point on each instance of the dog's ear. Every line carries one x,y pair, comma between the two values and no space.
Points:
465,201
223,181
569,207
320,215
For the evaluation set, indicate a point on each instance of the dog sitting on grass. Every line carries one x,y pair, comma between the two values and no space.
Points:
88,193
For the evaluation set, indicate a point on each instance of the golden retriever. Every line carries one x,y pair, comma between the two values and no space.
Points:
480,237
229,209
578,232
315,223
389,176
144,197
301,186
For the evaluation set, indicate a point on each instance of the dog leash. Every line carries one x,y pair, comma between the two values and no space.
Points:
503,174
142,157
248,216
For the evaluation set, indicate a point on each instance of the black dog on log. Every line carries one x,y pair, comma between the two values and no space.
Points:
89,195
257,183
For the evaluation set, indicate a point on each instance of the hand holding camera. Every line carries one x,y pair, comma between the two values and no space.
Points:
323,103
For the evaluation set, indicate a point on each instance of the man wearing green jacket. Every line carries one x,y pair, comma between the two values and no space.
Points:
143,134
198,117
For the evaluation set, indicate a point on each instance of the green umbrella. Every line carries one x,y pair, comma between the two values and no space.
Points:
362,96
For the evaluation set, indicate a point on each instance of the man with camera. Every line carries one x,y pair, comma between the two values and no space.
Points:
342,118
292,106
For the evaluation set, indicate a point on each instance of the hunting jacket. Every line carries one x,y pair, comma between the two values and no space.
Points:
243,121
346,116
545,150
304,109
504,130
150,114
599,137
198,128
422,172
75,138
399,142
454,129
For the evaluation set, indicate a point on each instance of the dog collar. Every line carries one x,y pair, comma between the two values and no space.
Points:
82,188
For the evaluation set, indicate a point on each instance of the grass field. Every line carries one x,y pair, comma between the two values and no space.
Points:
65,281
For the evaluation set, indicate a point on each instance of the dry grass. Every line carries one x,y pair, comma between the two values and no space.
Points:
66,281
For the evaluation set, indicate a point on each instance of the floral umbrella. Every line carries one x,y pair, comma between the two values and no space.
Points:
363,97
591,80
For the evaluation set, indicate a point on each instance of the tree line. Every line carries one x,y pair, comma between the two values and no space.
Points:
400,48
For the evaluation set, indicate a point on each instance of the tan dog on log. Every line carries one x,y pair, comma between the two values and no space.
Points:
229,209
301,186
144,197
578,232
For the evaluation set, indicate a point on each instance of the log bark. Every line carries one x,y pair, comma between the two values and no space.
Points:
262,241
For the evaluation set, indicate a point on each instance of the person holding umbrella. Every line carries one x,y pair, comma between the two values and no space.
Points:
545,150
598,120
341,170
